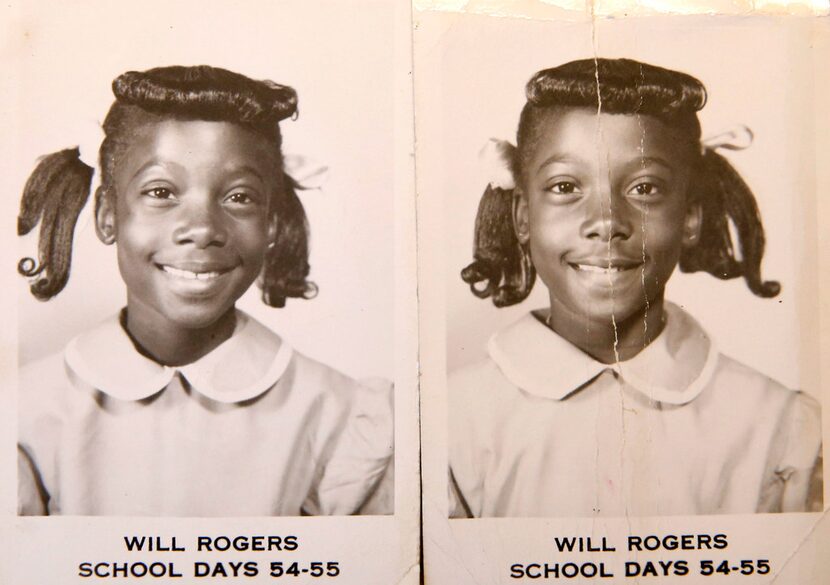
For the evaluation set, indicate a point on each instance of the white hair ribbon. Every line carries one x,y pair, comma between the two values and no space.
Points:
307,174
737,138
497,159
91,137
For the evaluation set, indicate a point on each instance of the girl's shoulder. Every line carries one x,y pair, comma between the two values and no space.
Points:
746,379
502,365
477,380
308,369
279,365
477,393
46,398
49,388
331,385
42,382
48,370
743,385
482,371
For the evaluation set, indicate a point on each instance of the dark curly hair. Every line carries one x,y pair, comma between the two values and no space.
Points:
58,188
502,268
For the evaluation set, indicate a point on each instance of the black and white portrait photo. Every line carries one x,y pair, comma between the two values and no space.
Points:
627,327
449,292
207,279
209,365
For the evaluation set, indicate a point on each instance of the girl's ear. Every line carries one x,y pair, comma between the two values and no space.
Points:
105,225
521,221
692,224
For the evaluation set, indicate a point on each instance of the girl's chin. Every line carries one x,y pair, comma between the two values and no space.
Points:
612,313
197,316
200,322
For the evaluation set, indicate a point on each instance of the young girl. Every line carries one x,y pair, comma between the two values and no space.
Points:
615,402
182,404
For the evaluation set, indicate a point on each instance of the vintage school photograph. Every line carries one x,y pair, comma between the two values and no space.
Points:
207,277
627,276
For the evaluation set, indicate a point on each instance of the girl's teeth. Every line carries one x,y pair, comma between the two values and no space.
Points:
188,274
591,268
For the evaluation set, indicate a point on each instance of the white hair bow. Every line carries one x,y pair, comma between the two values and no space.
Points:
497,159
736,138
91,137
307,173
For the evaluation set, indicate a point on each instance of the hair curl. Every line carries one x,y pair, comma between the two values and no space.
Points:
59,186
501,267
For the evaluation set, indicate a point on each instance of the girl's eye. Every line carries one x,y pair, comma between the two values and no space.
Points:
563,191
240,198
563,188
645,189
158,193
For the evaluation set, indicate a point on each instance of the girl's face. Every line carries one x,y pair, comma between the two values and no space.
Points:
190,218
604,209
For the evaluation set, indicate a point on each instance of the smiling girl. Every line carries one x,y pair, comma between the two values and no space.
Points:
183,404
613,401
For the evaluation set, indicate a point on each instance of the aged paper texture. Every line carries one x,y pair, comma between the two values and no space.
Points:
350,66
538,490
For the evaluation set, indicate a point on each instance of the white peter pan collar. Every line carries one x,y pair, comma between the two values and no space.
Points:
673,369
241,368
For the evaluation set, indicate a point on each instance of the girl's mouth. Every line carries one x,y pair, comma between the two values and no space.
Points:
604,275
191,275
613,267
601,269
196,279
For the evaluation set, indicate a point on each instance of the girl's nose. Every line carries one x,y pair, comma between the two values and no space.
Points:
607,218
201,226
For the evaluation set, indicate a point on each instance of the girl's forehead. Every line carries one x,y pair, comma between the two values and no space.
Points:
587,133
198,144
203,137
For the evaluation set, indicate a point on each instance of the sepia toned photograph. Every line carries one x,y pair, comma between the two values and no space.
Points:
611,400
223,348
209,370
621,275
391,291
623,314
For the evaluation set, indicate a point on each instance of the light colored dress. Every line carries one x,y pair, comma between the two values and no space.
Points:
541,429
252,428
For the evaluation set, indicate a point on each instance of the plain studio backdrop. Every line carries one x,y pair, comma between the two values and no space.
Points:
752,75
343,79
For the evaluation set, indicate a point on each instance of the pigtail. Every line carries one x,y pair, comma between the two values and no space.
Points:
53,197
286,261
726,199
501,268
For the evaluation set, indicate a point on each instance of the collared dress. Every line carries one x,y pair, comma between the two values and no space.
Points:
252,428
541,429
